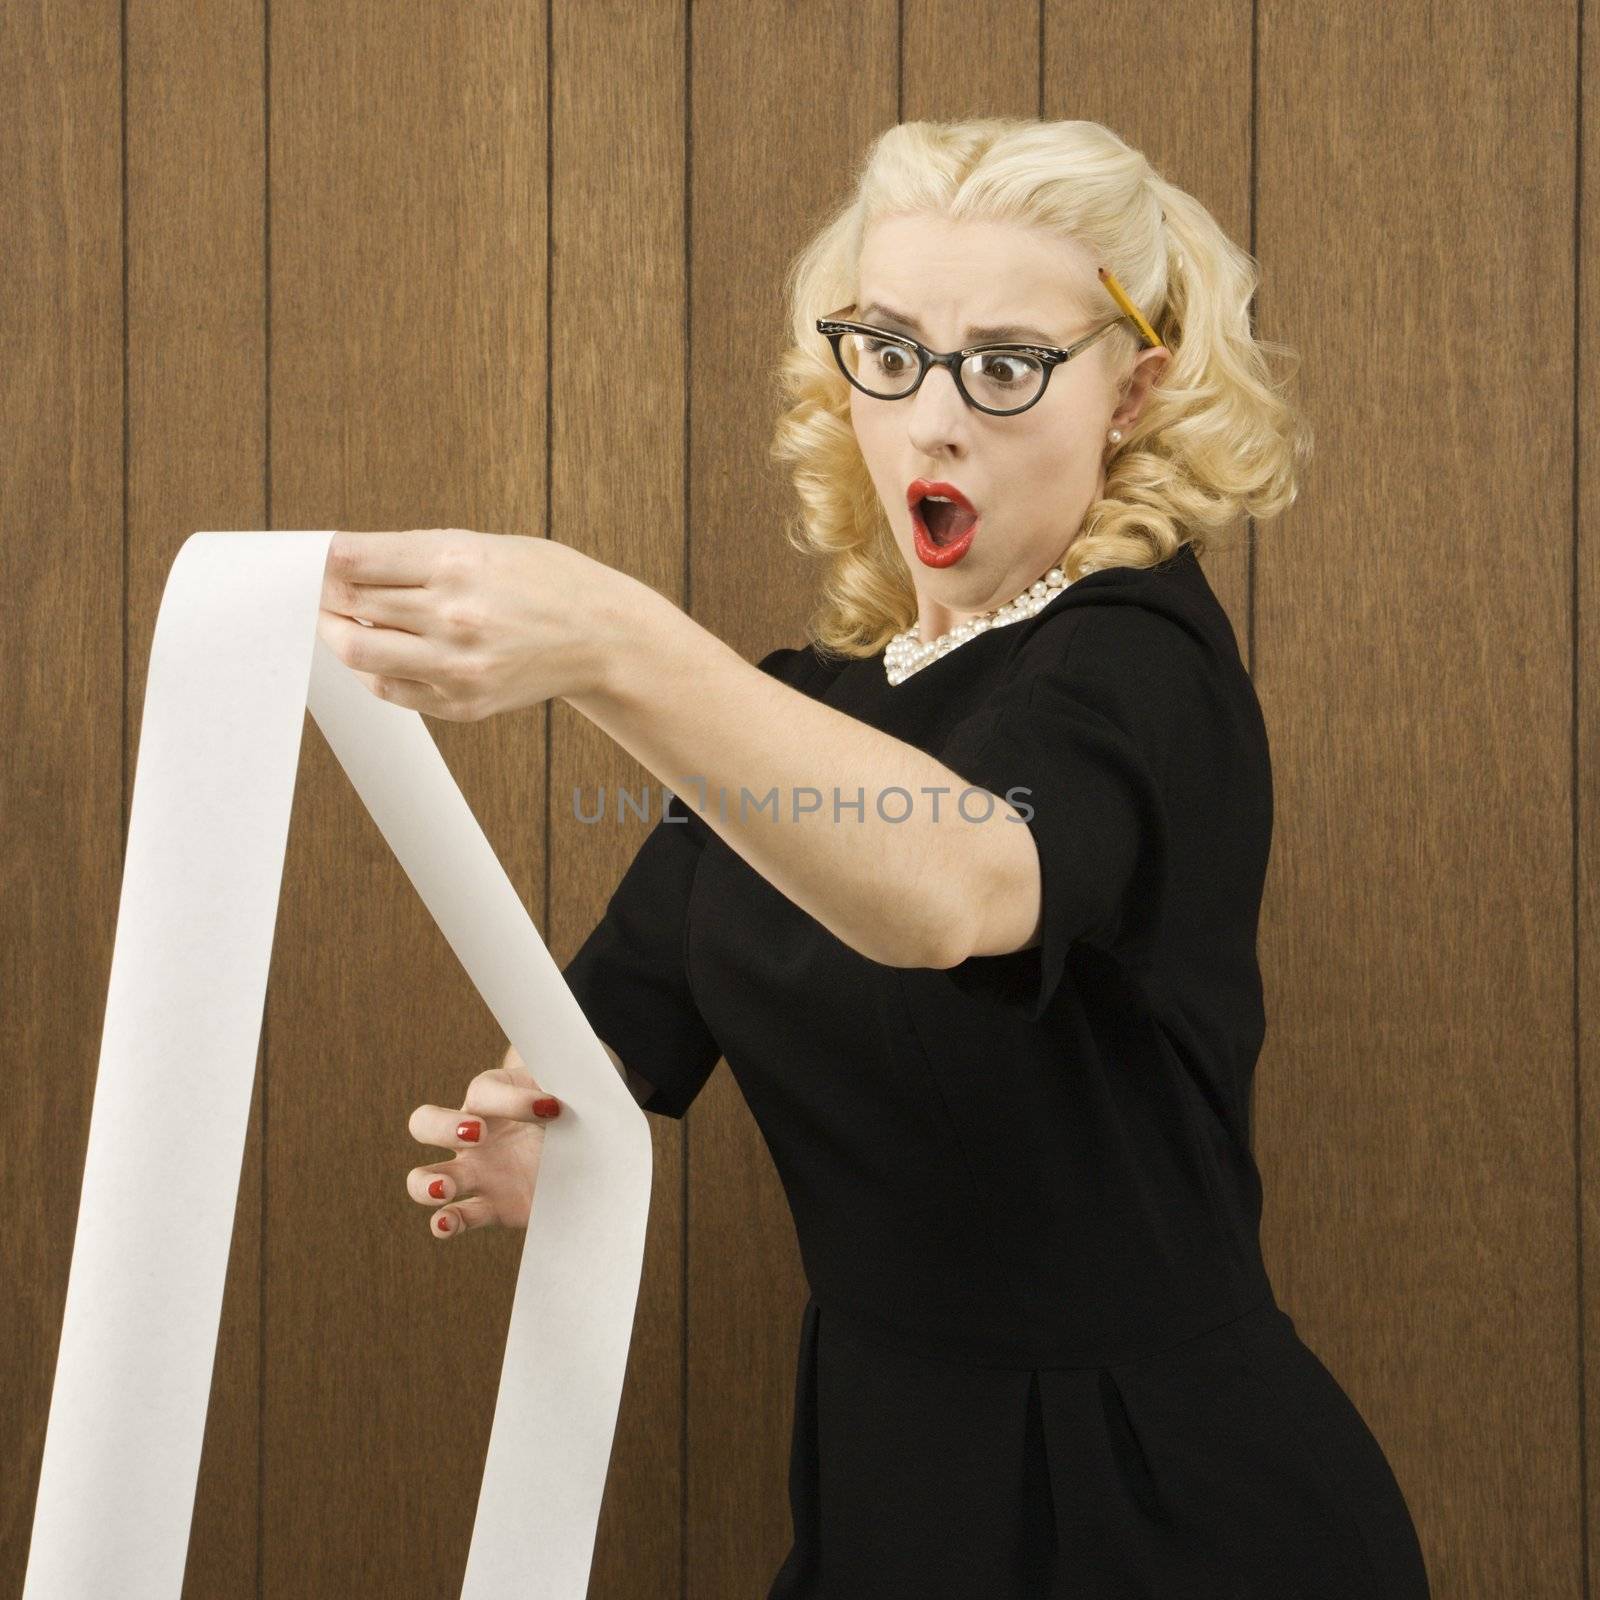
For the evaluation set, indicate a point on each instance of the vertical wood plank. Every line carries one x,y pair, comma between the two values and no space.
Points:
617,424
1415,659
62,718
1586,781
957,62
408,291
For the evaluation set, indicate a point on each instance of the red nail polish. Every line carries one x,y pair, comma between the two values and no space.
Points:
468,1131
547,1106
444,1224
436,1188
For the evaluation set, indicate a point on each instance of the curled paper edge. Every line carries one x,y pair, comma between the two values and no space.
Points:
235,663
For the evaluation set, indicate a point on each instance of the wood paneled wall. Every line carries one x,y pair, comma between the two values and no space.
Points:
315,263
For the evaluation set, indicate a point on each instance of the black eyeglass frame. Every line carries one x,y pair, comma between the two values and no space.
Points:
1051,355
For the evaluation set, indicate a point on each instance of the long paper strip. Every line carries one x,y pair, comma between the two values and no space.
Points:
234,665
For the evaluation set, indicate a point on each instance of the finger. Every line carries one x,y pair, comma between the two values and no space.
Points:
412,696
384,652
395,558
510,1091
381,688
460,1218
468,1127
448,1127
405,609
443,1182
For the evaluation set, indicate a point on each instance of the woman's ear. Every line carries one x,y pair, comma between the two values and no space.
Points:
1136,389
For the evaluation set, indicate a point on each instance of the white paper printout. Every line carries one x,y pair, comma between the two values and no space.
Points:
235,663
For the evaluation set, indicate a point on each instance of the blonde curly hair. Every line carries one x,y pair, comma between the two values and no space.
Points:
1217,436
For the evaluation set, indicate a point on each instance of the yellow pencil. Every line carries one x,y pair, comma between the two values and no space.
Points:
1127,305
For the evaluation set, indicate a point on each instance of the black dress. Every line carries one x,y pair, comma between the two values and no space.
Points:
1041,1355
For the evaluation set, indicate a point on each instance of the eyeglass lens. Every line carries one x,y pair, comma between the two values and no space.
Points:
1003,380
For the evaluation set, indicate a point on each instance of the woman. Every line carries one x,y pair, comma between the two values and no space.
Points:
986,972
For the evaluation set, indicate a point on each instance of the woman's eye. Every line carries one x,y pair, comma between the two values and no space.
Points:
1003,368
891,357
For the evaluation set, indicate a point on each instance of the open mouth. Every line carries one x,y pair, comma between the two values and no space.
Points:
945,522
941,532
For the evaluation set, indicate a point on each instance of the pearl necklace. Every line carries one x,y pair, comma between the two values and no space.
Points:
905,653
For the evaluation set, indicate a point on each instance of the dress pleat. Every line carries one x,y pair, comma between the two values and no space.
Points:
1229,1467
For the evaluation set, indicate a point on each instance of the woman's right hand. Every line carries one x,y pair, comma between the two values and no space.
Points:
489,1182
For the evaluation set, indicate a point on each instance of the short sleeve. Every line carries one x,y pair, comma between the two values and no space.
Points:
1063,745
629,975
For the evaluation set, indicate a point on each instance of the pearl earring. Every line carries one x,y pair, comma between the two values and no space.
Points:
1116,436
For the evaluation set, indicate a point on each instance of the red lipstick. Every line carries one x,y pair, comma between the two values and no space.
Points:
930,551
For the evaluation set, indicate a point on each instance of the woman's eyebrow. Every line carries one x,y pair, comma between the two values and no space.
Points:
1008,330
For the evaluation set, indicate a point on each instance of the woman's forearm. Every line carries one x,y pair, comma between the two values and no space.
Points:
923,891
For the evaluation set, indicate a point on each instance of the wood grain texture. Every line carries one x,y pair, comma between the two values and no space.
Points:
408,331
62,716
1414,655
375,268
618,420
1577,1432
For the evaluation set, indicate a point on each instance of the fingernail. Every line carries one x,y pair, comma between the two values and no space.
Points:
436,1188
468,1131
547,1106
444,1224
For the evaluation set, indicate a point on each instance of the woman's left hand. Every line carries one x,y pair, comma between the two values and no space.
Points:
461,625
